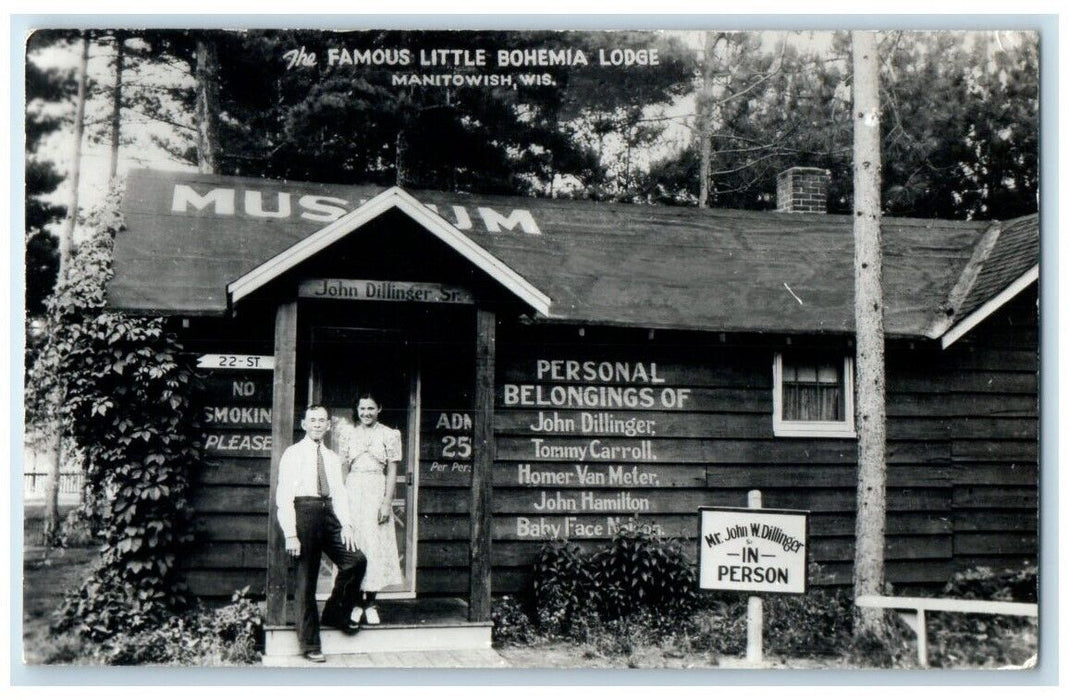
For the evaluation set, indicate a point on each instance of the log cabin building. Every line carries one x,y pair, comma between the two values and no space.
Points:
558,368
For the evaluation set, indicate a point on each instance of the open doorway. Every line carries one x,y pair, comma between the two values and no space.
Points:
346,362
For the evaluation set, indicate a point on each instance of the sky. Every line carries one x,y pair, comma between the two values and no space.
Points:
96,152
93,187
143,153
58,147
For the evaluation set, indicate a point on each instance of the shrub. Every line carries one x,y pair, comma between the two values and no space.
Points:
642,571
984,583
119,388
564,588
105,605
79,529
718,625
956,639
894,648
511,623
818,623
639,590
627,634
167,643
961,640
231,635
815,624
638,573
642,590
239,628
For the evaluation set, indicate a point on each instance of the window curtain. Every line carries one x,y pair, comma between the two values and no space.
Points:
812,391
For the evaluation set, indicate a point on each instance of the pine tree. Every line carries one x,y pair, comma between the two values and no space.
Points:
959,112
44,90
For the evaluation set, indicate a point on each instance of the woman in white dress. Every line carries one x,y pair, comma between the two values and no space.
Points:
372,453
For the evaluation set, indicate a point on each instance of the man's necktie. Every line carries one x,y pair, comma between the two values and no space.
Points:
321,470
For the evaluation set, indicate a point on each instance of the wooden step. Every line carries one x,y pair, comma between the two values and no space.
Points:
453,658
434,624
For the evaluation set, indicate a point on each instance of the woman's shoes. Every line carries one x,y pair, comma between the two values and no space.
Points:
370,616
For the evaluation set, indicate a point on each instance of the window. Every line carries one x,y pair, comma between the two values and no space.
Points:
813,394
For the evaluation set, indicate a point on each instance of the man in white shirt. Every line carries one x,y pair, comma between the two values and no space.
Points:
313,512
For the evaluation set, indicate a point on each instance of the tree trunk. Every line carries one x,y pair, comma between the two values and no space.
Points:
705,122
51,519
66,239
868,318
116,105
207,105
401,150
66,248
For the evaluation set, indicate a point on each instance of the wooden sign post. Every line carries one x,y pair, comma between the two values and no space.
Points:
755,607
756,550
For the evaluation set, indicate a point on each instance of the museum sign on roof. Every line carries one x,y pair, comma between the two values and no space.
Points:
190,237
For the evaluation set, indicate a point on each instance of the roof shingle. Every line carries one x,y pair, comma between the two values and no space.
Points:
618,264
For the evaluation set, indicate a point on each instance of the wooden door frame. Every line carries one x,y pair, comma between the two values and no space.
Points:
411,453
283,406
484,453
282,425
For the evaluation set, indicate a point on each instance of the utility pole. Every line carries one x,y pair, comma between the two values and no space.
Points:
868,318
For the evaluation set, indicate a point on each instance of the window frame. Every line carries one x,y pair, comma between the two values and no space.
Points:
813,428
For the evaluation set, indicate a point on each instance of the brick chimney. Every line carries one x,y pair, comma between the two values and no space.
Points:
803,190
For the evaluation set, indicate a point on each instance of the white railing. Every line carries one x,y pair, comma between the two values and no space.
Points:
916,619
70,485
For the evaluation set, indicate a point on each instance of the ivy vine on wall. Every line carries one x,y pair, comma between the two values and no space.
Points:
119,389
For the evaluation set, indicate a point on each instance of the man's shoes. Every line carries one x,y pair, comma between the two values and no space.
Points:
371,616
315,657
346,626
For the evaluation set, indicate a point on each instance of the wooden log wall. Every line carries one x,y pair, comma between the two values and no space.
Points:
594,431
635,427
445,465
687,423
979,398
231,490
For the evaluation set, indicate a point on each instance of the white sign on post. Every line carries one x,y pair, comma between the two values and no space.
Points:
756,550
222,361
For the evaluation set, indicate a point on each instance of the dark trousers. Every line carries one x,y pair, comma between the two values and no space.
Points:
319,531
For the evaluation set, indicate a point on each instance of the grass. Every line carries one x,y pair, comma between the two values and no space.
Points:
47,574
571,654
200,636
706,640
561,654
